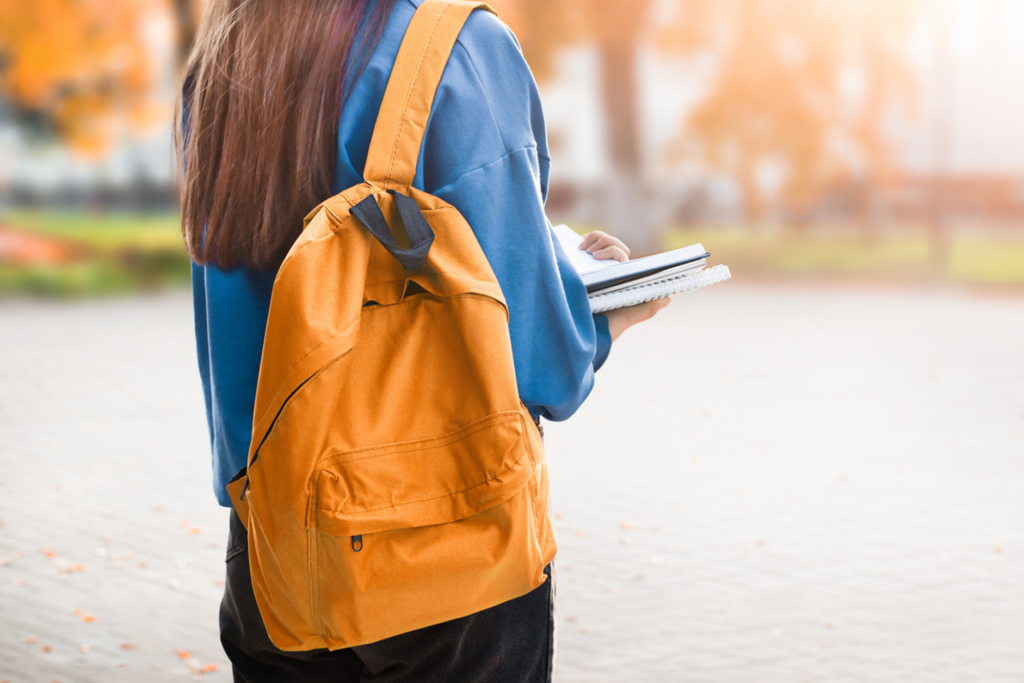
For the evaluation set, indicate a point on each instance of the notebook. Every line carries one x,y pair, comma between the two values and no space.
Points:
611,284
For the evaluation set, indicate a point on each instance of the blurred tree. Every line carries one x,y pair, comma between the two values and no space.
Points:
802,91
799,93
85,68
544,28
186,15
798,99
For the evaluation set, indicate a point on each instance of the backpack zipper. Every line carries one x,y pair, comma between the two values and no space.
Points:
357,543
280,410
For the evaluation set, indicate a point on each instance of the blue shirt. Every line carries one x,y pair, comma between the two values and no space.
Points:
485,153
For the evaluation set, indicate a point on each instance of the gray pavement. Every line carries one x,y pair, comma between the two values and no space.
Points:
769,484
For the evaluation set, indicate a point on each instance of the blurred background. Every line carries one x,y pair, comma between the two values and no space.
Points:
833,437
858,138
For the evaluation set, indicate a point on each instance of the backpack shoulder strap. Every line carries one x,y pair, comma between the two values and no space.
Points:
398,133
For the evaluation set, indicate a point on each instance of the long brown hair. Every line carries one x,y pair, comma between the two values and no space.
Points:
257,126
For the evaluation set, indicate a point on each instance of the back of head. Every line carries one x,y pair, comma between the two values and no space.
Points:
257,127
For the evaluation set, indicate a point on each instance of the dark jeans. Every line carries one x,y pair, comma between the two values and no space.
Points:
511,643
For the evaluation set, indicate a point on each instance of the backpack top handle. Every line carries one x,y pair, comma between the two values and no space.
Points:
405,110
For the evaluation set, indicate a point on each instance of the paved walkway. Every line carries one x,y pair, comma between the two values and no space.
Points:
769,485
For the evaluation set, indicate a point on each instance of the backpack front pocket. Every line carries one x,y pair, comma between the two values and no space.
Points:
410,530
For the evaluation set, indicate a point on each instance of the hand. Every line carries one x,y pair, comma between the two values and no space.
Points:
603,246
622,319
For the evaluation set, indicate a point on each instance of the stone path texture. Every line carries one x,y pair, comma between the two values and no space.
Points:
770,484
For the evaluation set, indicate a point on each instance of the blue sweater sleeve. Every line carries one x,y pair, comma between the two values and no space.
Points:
485,153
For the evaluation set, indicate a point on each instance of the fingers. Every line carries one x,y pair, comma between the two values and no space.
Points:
591,238
650,309
659,305
621,319
612,252
597,241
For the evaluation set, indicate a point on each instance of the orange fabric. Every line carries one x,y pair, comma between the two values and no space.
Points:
395,480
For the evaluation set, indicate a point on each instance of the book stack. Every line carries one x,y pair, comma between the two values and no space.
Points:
611,284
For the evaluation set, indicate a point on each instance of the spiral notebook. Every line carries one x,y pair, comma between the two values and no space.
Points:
611,284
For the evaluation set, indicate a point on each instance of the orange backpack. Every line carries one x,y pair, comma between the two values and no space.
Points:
395,480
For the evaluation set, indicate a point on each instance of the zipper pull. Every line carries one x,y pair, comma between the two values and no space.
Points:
244,488
357,543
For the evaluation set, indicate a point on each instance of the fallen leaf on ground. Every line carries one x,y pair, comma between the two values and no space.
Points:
50,553
141,565
209,668
30,640
45,648
78,612
626,525
183,654
195,530
76,568
89,618
127,646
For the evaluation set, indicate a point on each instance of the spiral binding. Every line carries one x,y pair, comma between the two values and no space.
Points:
680,284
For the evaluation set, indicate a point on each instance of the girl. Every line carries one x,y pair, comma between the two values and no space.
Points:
278,108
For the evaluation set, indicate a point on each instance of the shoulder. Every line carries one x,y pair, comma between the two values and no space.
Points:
484,36
488,70
486,104
491,46
486,32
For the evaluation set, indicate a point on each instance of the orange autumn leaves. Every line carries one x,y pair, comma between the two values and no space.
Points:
804,90
194,664
798,92
86,618
88,68
798,99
